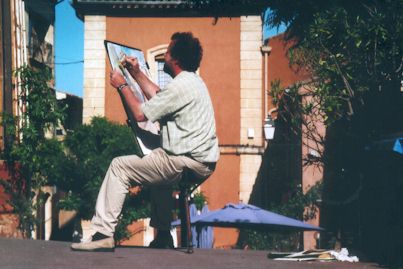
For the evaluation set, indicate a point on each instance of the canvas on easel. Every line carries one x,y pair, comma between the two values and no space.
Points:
146,133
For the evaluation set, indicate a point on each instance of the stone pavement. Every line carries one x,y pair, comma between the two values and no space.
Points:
30,254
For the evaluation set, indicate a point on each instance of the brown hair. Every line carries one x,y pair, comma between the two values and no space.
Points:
187,50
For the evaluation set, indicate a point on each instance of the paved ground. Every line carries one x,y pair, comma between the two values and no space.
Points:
29,254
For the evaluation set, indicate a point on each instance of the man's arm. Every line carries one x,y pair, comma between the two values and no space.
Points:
134,105
148,87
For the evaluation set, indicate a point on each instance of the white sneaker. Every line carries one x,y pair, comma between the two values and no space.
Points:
103,245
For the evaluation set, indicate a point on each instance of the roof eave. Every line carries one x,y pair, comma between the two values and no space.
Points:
162,9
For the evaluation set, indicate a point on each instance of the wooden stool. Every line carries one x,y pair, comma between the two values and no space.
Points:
186,187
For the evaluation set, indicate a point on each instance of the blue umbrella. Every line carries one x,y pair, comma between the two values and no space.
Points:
193,213
249,216
398,146
206,236
394,143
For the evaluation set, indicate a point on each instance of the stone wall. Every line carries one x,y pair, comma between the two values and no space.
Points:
94,67
251,102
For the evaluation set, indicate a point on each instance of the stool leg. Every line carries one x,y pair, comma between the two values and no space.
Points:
182,209
186,232
188,228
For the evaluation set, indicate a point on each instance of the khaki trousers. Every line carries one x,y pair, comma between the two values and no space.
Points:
159,171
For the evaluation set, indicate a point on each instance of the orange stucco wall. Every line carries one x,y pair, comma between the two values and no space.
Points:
222,188
279,64
312,174
279,68
220,67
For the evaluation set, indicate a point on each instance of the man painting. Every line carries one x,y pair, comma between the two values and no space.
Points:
188,141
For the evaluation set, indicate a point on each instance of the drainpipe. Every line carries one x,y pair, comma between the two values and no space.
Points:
265,50
6,65
7,57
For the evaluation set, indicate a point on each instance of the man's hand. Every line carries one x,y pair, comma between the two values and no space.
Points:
134,105
132,65
148,87
116,78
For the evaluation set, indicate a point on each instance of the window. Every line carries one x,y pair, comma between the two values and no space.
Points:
155,59
162,77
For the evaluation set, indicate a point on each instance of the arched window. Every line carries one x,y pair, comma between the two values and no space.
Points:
155,59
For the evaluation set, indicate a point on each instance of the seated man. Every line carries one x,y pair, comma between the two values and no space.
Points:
188,141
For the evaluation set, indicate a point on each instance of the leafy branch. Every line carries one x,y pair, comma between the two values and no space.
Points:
31,158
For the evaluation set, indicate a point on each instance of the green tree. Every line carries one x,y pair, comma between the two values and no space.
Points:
353,49
90,149
32,158
354,53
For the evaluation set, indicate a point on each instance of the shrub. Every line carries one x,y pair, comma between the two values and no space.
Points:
90,149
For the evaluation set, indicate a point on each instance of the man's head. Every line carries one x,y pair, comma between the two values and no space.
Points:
184,51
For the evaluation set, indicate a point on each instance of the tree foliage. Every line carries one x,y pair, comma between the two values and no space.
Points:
90,149
353,49
32,158
354,53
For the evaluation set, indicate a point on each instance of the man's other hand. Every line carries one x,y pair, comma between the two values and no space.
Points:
132,65
116,78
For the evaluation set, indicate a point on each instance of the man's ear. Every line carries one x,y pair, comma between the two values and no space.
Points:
176,62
